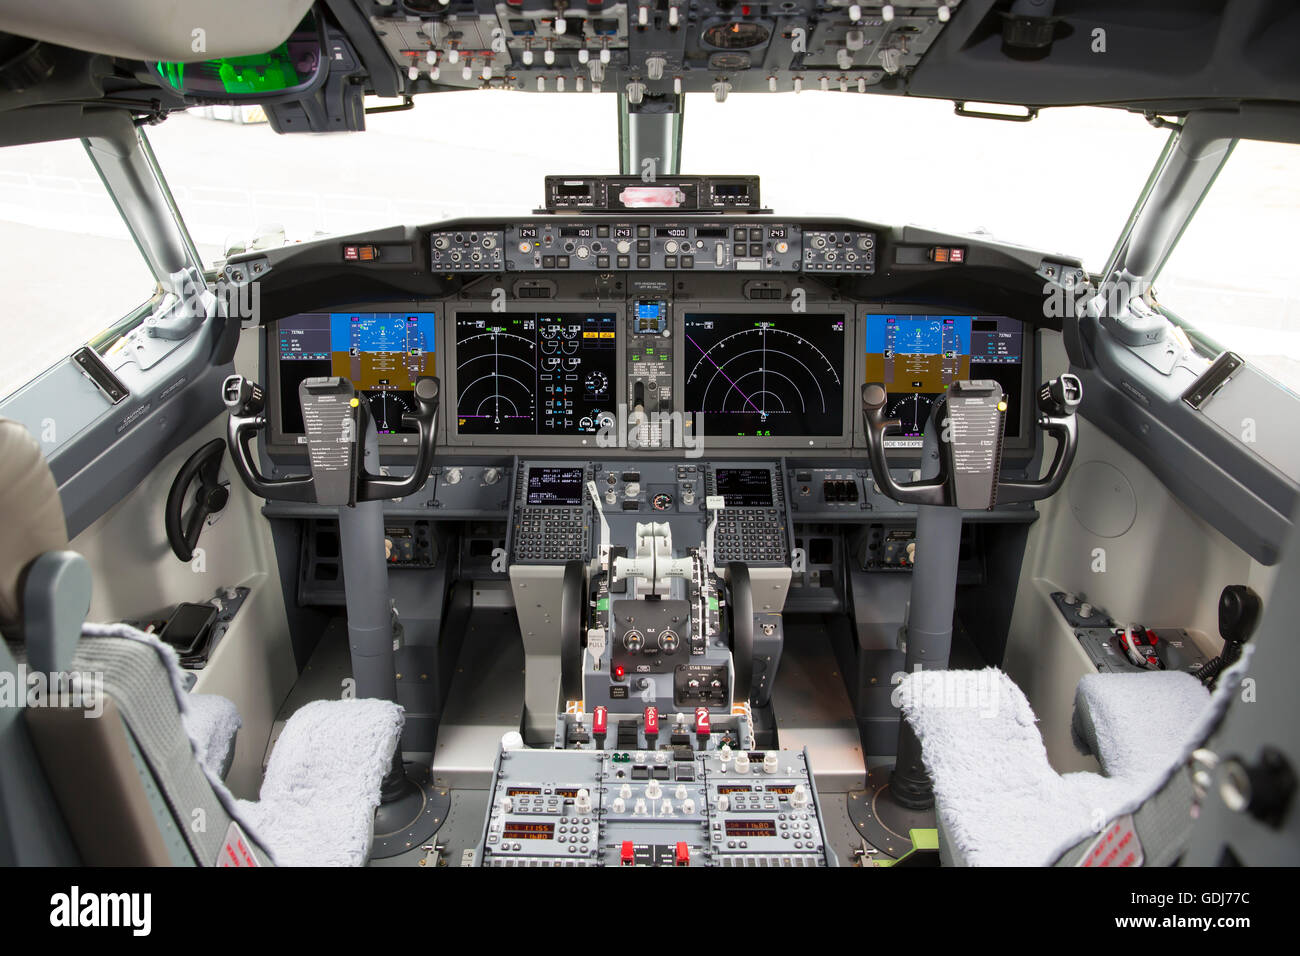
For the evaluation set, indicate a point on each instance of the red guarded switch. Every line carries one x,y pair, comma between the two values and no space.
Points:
652,721
600,721
627,856
702,721
683,856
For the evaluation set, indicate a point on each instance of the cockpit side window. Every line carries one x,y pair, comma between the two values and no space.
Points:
1232,284
72,269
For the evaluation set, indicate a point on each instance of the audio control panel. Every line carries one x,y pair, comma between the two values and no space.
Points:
720,808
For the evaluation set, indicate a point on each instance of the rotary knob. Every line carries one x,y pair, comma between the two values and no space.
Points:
654,67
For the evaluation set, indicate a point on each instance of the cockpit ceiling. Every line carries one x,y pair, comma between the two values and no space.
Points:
1139,54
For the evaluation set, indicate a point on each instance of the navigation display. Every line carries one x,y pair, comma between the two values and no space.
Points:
380,353
917,357
535,373
555,486
766,375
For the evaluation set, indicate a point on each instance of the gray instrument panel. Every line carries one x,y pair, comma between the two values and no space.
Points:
553,519
603,245
660,808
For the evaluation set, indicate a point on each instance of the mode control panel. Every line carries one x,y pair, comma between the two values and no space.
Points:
714,246
658,808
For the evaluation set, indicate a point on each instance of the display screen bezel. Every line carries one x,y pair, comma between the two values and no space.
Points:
779,310
1020,447
451,386
280,444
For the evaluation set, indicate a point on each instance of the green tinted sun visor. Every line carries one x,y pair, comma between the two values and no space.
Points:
291,67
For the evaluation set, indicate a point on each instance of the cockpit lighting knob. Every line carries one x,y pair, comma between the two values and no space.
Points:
636,90
654,67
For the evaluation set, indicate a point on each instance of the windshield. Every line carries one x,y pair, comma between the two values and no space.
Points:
72,268
1063,183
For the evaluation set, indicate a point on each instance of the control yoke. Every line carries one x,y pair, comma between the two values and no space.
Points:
337,422
970,458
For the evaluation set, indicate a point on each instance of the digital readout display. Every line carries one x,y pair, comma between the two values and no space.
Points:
528,831
751,828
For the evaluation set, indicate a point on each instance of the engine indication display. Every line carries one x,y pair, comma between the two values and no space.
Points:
380,353
918,357
766,375
521,373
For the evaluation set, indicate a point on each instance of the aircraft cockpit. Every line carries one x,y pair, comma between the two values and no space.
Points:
648,507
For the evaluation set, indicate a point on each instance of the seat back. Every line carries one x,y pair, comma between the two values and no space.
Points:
95,764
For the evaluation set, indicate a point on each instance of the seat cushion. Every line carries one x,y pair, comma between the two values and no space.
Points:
1136,722
998,800
212,721
318,798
